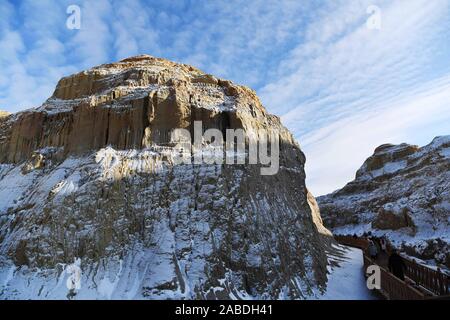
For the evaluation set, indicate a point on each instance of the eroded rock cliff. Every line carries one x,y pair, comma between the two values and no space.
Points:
90,175
3,113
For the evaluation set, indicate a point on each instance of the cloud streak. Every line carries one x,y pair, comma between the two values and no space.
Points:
343,84
336,150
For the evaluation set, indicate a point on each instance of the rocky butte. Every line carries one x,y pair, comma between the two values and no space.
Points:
89,176
401,192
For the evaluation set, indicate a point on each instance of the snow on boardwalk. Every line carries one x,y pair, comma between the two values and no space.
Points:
346,280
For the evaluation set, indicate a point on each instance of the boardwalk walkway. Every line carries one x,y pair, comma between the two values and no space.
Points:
421,282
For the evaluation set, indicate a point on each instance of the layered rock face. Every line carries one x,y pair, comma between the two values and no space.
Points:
91,175
403,192
3,114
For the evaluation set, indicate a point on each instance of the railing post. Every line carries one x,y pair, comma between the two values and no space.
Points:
443,280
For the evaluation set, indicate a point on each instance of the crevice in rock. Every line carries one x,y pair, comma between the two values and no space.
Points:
107,128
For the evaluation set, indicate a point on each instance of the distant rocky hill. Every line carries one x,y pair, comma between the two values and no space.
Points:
91,175
403,192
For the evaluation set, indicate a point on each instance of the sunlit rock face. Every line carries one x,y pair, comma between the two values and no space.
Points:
403,192
91,175
3,113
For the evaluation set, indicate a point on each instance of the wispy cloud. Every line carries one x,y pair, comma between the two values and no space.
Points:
236,39
335,86
336,150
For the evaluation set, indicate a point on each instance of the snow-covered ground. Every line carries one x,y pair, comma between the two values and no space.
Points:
346,281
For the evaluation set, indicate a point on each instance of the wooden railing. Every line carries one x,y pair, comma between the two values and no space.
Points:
392,287
350,241
436,282
432,280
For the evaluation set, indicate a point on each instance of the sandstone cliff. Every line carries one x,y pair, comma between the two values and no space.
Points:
90,175
403,192
3,114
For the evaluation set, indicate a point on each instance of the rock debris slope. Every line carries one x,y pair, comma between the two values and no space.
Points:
89,175
403,192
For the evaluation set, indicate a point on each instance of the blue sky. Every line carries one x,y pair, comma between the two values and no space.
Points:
342,88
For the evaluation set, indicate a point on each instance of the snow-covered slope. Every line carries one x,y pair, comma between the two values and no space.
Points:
346,280
403,192
90,175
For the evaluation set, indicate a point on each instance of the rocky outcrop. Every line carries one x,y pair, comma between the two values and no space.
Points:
317,219
132,104
91,175
389,219
4,114
403,192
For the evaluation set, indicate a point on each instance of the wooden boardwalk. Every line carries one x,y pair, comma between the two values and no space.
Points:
420,282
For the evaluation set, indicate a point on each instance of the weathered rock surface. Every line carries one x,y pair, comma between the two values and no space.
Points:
403,192
3,114
90,174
